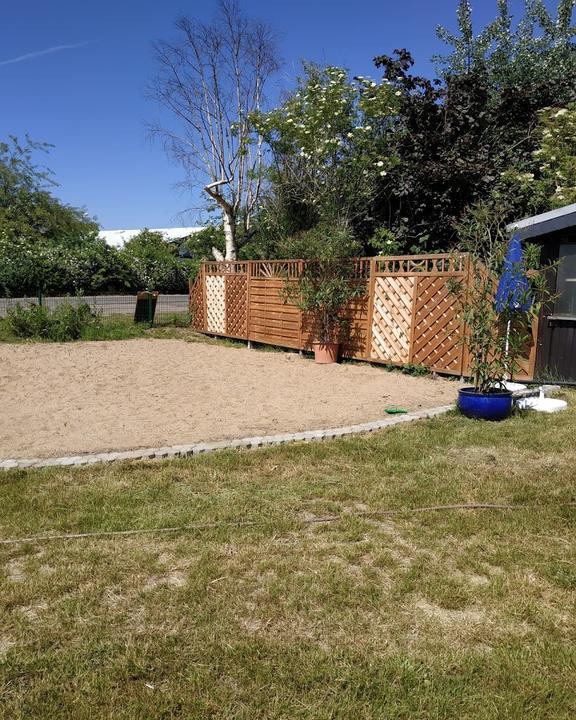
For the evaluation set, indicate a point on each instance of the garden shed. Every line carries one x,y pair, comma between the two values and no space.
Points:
555,232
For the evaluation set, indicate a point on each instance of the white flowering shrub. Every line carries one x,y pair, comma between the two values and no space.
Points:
556,156
30,265
549,181
155,263
327,140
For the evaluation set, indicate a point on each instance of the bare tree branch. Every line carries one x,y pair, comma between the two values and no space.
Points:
209,80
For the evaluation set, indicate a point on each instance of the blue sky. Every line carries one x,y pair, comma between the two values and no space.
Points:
74,74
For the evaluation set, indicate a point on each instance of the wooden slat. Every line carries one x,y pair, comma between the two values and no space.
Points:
407,314
272,320
236,304
276,324
275,340
391,318
437,334
275,314
262,303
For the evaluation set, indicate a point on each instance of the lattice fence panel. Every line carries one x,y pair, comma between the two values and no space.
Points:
392,318
236,305
437,335
216,304
196,304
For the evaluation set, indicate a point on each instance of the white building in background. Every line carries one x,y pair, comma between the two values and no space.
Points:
117,238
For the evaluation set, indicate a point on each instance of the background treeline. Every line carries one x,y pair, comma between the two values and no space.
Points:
49,247
395,164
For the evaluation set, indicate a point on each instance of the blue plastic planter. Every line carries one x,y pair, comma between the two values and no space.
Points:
496,405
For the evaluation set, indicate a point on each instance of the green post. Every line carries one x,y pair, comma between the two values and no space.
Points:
150,316
40,298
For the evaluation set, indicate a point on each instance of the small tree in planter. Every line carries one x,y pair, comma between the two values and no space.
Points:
496,335
325,285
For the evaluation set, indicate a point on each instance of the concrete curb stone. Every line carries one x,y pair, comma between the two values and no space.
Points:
207,447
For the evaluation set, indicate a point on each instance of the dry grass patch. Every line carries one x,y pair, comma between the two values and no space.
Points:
459,614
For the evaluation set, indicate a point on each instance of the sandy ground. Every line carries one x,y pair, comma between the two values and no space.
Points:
62,399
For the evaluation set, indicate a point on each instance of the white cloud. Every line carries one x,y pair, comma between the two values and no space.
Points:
39,53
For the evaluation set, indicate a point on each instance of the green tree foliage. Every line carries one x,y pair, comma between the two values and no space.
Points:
435,147
156,263
27,208
538,48
49,247
31,266
46,245
550,180
200,245
459,138
327,141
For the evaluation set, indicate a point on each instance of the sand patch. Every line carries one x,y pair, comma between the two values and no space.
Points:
70,398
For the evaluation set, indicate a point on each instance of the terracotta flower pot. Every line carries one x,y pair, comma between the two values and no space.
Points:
325,353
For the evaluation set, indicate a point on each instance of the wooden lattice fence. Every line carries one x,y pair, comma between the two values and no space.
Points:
405,313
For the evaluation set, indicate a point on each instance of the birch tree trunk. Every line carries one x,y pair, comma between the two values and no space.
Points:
230,236
211,80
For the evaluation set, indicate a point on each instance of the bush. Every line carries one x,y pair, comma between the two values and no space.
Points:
326,283
66,322
156,264
28,266
28,322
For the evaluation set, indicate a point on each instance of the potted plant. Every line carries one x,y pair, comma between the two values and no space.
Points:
497,305
325,286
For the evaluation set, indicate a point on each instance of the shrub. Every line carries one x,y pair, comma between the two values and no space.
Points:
66,322
27,322
325,284
156,264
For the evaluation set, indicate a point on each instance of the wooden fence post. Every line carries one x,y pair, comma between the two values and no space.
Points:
371,292
248,286
301,316
204,299
464,354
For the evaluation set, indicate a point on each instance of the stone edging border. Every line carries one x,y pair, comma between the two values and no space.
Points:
198,448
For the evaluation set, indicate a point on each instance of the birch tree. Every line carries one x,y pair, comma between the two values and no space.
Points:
210,79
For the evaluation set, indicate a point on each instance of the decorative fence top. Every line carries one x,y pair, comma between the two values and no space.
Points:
360,268
441,264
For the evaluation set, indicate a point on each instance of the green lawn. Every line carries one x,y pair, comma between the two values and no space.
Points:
449,614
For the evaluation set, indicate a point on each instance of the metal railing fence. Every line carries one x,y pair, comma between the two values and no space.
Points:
167,306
